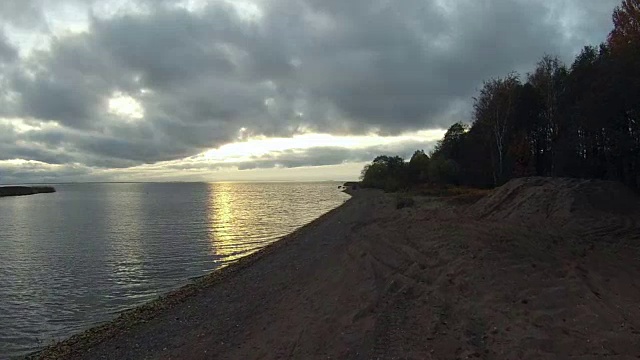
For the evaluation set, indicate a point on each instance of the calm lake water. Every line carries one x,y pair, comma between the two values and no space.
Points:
73,259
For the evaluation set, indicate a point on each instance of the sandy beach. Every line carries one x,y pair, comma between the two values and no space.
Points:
505,278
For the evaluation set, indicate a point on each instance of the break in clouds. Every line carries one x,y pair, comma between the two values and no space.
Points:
87,87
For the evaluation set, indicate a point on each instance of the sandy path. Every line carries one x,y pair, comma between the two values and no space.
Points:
370,281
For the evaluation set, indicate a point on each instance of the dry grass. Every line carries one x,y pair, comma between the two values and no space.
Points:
404,201
453,194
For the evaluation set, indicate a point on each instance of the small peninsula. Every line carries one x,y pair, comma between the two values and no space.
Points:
25,190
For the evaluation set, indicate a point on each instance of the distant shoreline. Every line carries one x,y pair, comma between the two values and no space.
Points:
6,191
181,182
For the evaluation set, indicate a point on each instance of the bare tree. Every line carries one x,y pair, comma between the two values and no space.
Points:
495,107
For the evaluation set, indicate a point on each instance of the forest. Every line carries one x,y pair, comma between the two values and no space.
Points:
581,120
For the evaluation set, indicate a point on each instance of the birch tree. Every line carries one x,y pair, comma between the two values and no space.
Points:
495,107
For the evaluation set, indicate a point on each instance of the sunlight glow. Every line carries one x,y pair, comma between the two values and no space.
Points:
21,126
259,146
247,10
125,106
14,162
227,217
23,162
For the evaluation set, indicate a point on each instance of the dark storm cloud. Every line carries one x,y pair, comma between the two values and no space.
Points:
323,65
399,67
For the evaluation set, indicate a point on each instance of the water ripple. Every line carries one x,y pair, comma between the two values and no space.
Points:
76,258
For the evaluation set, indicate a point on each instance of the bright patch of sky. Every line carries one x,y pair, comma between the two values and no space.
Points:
125,106
260,146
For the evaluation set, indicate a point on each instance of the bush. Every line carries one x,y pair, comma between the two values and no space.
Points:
419,167
387,173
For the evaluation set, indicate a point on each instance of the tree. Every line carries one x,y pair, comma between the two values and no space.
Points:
389,173
419,167
443,171
547,80
449,147
626,21
374,175
494,107
582,121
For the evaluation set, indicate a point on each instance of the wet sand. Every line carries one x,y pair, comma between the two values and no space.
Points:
369,281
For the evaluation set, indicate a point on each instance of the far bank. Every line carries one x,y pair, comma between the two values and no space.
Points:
25,190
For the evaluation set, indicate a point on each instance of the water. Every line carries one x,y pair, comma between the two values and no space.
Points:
76,258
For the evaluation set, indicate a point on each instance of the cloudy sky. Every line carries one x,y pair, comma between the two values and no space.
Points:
161,90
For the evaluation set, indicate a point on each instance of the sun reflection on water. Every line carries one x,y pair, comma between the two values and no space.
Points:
244,217
228,218
78,257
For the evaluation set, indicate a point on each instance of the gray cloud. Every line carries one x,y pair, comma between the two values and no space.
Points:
7,52
326,65
22,12
36,172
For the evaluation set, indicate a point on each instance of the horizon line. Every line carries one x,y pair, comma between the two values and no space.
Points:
173,182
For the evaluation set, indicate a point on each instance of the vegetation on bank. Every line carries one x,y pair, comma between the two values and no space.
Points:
577,121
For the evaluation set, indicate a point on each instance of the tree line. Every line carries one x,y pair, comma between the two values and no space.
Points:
581,120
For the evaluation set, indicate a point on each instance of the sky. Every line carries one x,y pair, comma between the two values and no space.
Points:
256,90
